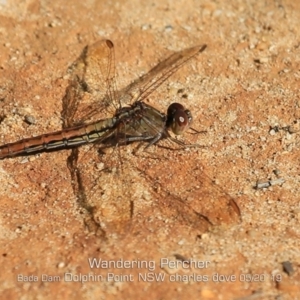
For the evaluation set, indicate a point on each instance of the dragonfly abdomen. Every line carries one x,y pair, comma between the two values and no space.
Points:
66,138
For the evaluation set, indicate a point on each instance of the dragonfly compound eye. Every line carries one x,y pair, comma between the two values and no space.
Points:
178,119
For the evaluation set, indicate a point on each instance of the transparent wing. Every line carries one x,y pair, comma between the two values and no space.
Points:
103,189
91,94
184,195
141,88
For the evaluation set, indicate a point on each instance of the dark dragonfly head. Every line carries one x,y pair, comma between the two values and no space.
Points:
179,119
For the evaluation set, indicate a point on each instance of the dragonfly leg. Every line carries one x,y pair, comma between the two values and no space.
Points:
137,138
153,139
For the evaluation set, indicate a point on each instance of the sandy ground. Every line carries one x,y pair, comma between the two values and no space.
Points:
243,90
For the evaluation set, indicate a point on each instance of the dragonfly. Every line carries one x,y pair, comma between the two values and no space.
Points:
107,184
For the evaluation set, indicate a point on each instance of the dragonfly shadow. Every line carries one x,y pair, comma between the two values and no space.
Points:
135,122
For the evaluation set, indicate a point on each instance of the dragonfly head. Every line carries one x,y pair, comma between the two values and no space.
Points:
178,118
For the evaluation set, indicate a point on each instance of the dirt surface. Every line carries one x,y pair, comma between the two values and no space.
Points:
243,90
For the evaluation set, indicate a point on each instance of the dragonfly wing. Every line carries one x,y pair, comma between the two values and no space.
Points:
91,92
187,196
141,88
104,190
